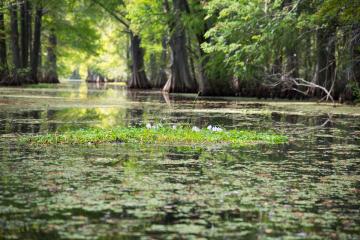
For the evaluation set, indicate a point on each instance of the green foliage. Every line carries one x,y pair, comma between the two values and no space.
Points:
149,21
252,41
161,135
342,11
239,33
355,87
252,35
87,38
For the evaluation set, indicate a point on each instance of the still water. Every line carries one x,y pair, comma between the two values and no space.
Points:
308,188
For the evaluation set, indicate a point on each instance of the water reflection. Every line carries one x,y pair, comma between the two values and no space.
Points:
307,189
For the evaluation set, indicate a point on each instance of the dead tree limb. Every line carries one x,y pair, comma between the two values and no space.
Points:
295,84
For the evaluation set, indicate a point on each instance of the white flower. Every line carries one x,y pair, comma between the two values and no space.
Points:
217,129
148,126
174,127
195,129
209,127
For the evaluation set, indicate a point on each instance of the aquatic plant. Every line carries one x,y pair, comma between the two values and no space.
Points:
157,134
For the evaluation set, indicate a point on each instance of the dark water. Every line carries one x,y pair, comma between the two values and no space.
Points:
306,189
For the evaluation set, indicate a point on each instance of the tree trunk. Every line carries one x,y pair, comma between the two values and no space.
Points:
138,76
292,66
153,66
51,75
94,77
29,14
180,80
345,86
191,58
15,36
308,57
205,84
3,55
75,74
209,85
161,76
355,53
278,62
24,34
15,78
91,78
37,44
326,61
128,57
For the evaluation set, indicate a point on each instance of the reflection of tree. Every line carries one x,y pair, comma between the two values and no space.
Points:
94,117
97,86
20,122
166,97
148,185
133,95
134,116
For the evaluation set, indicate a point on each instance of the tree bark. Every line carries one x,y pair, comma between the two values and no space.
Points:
15,77
128,58
37,44
153,66
206,87
355,53
29,30
308,63
51,75
25,25
180,80
15,36
209,85
161,76
326,60
3,55
138,76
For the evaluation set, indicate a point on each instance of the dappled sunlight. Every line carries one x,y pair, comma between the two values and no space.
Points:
179,119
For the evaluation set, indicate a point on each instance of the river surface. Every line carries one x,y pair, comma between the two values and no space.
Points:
308,188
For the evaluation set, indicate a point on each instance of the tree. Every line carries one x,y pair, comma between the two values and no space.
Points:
51,74
138,76
3,52
149,21
326,61
180,80
25,17
15,35
36,51
160,76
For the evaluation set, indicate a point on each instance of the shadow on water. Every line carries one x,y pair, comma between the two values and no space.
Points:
306,189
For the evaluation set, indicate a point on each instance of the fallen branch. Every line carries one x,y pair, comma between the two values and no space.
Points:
291,83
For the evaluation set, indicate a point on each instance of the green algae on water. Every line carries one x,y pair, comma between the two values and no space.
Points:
161,135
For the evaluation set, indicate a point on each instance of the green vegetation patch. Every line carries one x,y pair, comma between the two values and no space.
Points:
159,135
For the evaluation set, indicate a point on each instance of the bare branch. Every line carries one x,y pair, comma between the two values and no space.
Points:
295,84
117,16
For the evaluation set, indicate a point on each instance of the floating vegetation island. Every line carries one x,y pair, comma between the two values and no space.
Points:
158,135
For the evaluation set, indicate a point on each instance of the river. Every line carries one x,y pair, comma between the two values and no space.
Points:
308,188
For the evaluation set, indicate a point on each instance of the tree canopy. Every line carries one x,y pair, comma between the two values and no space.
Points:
262,48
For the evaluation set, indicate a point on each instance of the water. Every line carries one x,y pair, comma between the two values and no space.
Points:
306,189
